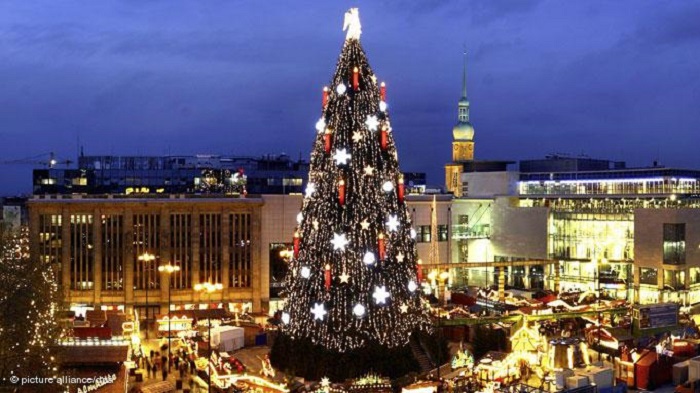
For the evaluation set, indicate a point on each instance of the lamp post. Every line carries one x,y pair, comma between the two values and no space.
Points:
208,288
148,258
169,269
598,264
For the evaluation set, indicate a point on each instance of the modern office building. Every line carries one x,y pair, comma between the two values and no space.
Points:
198,174
573,223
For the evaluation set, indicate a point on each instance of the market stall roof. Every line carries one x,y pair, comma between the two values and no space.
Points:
217,313
91,355
159,387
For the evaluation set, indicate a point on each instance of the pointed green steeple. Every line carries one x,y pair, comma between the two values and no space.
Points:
463,130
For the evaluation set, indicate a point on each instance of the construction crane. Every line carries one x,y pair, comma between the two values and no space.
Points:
48,160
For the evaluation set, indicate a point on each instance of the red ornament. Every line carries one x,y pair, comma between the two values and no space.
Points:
341,192
382,246
419,271
401,189
383,137
328,277
325,97
327,140
355,78
382,91
297,240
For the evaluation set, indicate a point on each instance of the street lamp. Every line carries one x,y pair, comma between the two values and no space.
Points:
598,264
148,258
208,288
169,269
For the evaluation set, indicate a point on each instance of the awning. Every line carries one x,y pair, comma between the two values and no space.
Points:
159,387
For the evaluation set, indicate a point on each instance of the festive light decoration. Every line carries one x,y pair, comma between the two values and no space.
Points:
319,311
310,189
380,295
341,191
285,318
400,189
296,244
28,299
384,137
404,308
356,136
393,223
372,122
320,125
300,217
381,245
328,140
382,91
341,157
327,277
345,217
359,310
305,272
388,186
356,78
369,258
413,233
339,241
412,286
324,100
419,270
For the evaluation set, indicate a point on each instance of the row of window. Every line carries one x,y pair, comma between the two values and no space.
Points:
119,243
424,234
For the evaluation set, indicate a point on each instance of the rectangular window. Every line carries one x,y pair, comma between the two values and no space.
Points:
112,257
82,255
210,248
694,276
674,280
674,244
424,234
648,276
146,228
181,249
240,262
442,233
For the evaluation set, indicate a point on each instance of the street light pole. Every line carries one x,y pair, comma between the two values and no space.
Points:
148,258
209,288
169,270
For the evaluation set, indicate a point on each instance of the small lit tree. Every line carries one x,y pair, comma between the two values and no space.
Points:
28,299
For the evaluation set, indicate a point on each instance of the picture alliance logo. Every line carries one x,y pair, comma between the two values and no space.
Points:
88,384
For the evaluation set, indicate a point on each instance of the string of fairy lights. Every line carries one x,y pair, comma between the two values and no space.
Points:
353,278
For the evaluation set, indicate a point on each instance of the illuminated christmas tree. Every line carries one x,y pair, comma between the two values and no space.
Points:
353,298
28,327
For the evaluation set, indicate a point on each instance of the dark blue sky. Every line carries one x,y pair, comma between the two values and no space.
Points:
608,79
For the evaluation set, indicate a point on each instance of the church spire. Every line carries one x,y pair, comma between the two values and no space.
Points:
464,77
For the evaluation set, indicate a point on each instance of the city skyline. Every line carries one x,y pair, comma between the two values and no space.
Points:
128,78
